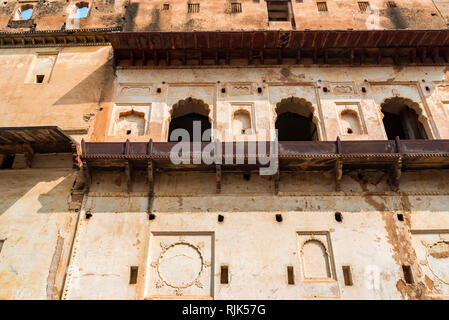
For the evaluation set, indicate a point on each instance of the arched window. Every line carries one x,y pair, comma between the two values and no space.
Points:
315,260
191,115
241,124
294,120
82,8
350,123
401,120
24,12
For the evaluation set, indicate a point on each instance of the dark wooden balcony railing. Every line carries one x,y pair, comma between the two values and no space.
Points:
286,149
393,156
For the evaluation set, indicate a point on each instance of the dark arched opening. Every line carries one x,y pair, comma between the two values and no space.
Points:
401,121
191,115
294,121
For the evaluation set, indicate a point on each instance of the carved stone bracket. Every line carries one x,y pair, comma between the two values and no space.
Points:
218,177
338,167
87,176
128,169
276,182
395,173
396,169
338,174
150,169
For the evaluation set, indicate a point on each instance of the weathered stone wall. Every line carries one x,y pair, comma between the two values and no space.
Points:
256,248
142,15
37,229
358,88
68,98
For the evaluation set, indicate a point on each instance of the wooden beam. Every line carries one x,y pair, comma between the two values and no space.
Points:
144,58
168,57
412,55
155,58
131,58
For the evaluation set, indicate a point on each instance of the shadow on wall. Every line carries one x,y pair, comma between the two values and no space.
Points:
130,15
397,18
86,90
23,189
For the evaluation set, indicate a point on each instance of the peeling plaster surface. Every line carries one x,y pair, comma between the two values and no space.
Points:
142,15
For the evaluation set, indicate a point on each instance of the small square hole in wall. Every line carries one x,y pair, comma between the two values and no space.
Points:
40,78
290,275
166,6
400,217
322,6
133,272
408,276
347,275
224,275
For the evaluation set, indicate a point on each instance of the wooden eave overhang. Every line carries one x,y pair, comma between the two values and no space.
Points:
353,47
259,47
31,140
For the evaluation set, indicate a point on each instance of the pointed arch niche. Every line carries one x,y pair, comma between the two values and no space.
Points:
185,112
295,120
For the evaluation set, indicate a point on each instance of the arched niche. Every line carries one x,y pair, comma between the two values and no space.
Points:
404,118
350,122
184,113
241,122
315,260
295,120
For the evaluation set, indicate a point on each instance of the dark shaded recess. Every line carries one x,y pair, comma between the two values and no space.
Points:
405,125
155,20
81,92
44,9
393,126
8,161
294,127
130,16
397,18
186,122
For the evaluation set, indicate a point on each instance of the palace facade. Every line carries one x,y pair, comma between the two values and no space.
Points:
347,100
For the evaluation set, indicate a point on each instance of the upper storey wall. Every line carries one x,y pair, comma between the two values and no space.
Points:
174,15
